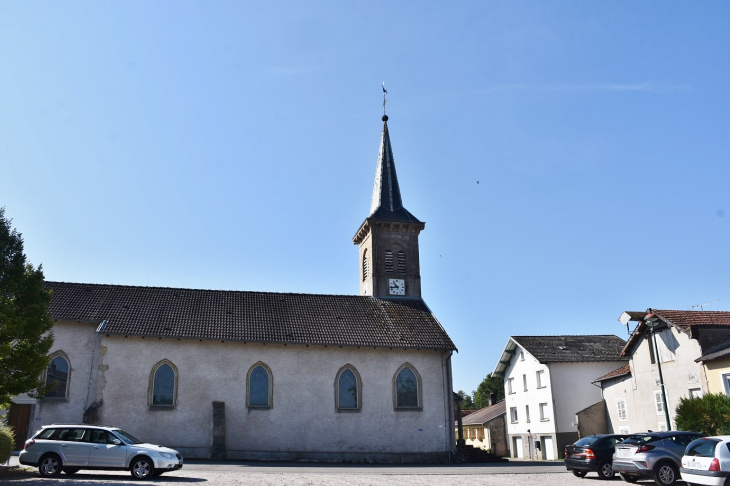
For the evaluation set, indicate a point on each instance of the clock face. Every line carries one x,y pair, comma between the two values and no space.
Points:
397,286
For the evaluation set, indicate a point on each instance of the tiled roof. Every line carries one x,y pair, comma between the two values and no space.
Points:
624,370
551,349
345,320
484,415
695,318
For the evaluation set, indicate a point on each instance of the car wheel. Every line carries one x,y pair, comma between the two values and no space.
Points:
49,466
665,474
605,471
70,470
141,468
579,474
627,478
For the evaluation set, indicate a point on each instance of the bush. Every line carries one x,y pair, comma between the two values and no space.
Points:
7,442
709,414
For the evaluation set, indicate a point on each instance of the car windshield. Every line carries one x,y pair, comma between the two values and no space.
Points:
702,448
127,438
586,441
641,439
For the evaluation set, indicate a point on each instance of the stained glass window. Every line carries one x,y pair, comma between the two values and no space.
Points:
258,388
406,385
163,391
57,377
347,389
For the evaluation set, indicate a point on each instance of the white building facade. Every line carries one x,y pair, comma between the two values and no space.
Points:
547,381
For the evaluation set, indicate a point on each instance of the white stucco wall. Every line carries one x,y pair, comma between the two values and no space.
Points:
520,398
303,417
573,390
638,389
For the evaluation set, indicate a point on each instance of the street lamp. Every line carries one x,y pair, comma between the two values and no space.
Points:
651,320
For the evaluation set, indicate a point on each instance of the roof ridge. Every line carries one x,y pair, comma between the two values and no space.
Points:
230,291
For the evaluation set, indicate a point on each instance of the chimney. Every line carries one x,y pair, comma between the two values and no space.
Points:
492,399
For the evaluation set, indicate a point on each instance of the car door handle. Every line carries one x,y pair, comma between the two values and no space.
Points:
64,445
96,447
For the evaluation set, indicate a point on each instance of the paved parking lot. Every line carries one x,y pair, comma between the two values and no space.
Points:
285,474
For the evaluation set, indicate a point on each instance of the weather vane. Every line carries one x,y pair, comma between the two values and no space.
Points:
384,99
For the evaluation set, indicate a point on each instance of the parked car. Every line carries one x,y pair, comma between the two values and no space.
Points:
70,448
594,453
655,455
707,461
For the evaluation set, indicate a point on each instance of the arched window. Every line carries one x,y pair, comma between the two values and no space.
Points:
407,384
163,385
57,376
365,265
388,261
401,262
348,389
260,386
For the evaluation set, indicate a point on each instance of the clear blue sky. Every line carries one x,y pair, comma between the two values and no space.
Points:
570,159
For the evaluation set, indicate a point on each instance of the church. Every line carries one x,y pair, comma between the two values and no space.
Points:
244,375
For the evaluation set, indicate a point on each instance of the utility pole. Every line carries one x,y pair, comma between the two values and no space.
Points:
651,319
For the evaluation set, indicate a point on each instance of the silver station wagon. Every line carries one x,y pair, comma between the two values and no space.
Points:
70,448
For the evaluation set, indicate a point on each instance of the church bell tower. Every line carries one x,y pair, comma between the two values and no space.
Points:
388,238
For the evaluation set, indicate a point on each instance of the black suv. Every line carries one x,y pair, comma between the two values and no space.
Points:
593,453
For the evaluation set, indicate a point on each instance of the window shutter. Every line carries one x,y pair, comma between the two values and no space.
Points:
401,262
388,261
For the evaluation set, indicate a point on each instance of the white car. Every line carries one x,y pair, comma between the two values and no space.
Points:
70,448
707,461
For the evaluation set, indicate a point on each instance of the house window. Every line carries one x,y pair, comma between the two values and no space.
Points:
726,383
57,377
522,355
527,413
662,426
407,384
524,382
510,385
365,265
544,412
401,262
163,389
540,377
260,386
623,430
621,409
695,393
513,415
659,403
348,388
388,261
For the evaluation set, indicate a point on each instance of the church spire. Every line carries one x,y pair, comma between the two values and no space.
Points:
387,203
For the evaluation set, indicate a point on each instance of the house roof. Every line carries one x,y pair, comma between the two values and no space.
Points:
567,349
269,317
486,414
623,371
720,352
684,320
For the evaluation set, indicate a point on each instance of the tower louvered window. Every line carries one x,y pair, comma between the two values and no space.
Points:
401,262
365,266
388,261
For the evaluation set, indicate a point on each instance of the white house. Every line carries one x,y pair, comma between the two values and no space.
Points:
547,380
261,375
633,393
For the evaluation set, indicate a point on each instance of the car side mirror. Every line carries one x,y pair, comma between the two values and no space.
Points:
117,442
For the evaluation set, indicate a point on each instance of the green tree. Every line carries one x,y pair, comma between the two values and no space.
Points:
25,326
709,414
490,384
467,402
